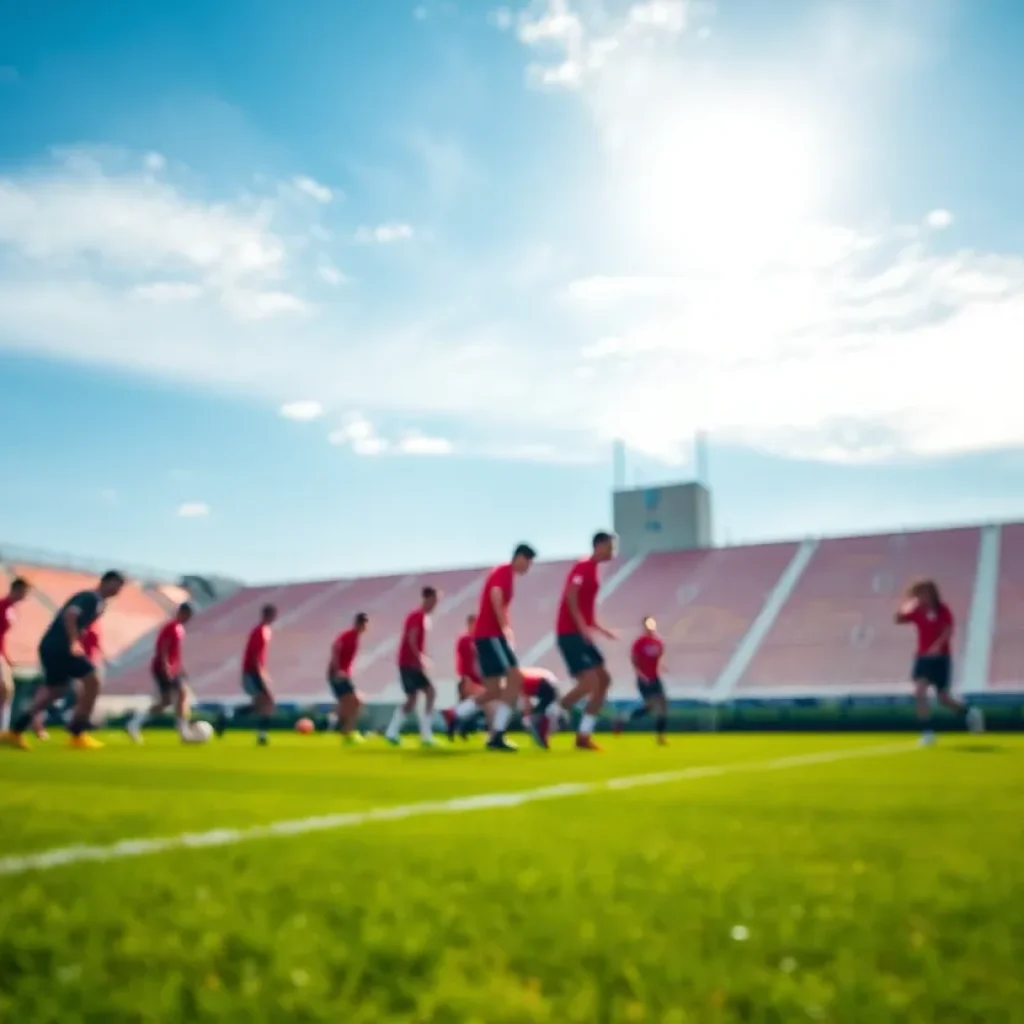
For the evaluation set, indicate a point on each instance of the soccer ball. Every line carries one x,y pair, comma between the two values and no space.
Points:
198,732
305,726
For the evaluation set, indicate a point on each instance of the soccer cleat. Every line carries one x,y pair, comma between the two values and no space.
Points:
42,735
395,741
586,743
428,741
15,739
662,740
927,739
618,726
134,732
451,722
262,741
83,741
501,744
975,720
355,739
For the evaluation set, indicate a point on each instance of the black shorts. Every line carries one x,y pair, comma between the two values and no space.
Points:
167,686
341,686
934,669
413,680
495,656
545,696
650,689
60,668
253,685
578,654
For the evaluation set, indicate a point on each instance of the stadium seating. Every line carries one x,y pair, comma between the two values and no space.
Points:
1006,669
836,633
833,634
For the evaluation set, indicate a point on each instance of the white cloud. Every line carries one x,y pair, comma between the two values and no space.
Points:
939,220
302,410
415,443
331,275
384,234
669,15
313,189
358,433
163,292
193,510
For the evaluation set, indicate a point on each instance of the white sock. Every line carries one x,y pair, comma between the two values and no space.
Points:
587,723
5,717
180,724
395,726
426,719
139,718
467,708
554,712
502,713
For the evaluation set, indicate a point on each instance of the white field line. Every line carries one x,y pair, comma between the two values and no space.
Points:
24,863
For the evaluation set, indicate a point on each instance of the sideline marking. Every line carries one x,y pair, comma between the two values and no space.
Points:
62,856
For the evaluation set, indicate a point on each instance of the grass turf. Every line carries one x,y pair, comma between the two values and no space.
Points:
881,889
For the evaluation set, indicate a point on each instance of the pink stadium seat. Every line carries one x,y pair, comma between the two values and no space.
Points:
704,601
836,631
1006,670
33,618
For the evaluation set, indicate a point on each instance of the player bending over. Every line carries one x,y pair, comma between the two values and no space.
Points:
64,662
576,626
539,704
646,655
495,650
169,676
413,666
256,682
923,608
470,685
339,677
19,590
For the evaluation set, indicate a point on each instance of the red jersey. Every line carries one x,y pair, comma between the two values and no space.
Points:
584,576
532,679
254,660
7,620
168,648
487,624
465,658
344,650
931,623
90,641
411,649
647,652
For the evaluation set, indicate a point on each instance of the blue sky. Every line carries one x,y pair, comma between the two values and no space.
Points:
301,289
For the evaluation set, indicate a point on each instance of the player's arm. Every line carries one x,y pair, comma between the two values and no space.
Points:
943,638
572,601
411,642
500,611
335,667
70,620
636,665
906,611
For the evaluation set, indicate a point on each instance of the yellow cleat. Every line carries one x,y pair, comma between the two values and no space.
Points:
355,739
85,742
14,739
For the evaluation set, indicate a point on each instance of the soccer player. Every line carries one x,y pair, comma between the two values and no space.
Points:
539,704
413,666
646,655
169,676
467,668
63,663
256,680
576,626
17,593
495,649
924,608
339,677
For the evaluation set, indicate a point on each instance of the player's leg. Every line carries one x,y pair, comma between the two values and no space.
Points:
426,711
942,675
410,686
921,688
6,694
44,696
659,708
507,697
349,707
182,703
89,686
161,702
546,713
265,705
586,665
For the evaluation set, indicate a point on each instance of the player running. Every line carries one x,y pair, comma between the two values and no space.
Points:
63,662
169,676
923,608
17,593
339,677
576,626
256,682
499,669
646,656
413,666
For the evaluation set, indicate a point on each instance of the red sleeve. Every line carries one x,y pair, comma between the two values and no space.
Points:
948,621
635,652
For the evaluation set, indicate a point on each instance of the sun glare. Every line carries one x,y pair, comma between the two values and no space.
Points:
724,180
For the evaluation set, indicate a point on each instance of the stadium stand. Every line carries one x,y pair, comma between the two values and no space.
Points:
763,621
836,631
1007,664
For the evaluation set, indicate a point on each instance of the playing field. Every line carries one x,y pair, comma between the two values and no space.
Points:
734,878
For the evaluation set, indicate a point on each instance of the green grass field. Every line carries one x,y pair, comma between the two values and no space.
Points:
860,889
